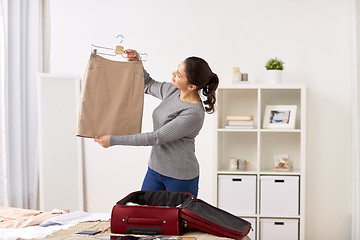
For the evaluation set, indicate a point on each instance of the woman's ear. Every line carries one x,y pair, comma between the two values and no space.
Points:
192,87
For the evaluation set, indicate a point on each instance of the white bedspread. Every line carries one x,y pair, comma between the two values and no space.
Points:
63,221
30,232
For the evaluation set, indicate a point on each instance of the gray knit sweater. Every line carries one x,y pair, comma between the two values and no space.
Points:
176,124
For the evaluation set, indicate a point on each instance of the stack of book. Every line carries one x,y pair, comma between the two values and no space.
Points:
240,121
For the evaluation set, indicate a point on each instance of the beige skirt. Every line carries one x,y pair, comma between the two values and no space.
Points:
112,98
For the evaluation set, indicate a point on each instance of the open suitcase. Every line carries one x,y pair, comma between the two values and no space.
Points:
170,213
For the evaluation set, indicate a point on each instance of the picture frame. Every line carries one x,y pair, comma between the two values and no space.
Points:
283,163
280,116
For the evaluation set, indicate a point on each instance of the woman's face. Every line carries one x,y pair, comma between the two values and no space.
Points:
179,79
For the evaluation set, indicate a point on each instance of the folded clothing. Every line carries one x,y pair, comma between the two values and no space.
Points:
19,218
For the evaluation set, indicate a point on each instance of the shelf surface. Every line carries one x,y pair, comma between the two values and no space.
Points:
250,85
280,130
237,130
279,216
256,130
237,172
224,172
269,216
279,173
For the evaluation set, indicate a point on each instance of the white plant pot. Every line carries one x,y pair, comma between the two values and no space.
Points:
275,76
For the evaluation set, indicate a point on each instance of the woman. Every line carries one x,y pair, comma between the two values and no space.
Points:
177,121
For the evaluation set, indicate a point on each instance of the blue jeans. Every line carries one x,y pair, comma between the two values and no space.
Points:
155,181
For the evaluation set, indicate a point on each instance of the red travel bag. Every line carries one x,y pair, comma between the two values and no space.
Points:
170,213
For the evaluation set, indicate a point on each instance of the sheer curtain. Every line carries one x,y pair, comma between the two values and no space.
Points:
4,200
18,103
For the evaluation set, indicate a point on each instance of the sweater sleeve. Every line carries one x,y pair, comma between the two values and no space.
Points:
154,88
184,124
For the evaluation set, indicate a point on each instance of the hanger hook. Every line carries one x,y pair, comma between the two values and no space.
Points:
121,36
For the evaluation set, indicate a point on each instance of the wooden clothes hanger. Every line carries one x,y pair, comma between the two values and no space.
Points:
118,50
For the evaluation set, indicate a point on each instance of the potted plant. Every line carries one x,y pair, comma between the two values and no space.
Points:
274,66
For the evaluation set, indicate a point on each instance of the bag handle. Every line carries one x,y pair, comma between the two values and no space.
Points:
143,221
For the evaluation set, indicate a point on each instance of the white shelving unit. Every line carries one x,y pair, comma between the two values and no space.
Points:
258,145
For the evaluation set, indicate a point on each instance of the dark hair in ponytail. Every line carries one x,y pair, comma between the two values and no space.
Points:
199,74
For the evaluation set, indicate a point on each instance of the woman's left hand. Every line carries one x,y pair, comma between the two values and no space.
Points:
103,141
132,55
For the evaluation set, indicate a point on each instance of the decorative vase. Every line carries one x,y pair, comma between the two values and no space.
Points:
275,76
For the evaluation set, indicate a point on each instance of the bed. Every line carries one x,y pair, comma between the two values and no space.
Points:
104,227
57,224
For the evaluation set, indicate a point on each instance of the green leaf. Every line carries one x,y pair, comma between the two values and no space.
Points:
274,64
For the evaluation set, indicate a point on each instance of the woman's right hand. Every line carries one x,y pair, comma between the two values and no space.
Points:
103,141
132,55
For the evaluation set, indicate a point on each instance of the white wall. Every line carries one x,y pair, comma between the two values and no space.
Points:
312,37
